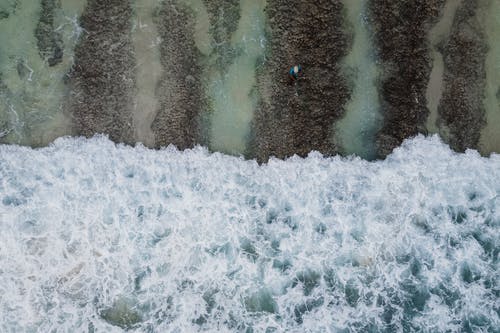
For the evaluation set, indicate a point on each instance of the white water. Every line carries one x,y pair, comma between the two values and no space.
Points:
191,241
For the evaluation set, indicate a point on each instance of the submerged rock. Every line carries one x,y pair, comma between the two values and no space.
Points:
49,40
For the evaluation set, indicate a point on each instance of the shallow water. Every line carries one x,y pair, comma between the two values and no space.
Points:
490,138
148,68
202,25
230,88
99,237
33,95
438,34
355,132
31,103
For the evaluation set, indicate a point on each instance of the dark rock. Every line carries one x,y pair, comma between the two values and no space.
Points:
180,89
461,108
400,32
297,118
49,41
102,78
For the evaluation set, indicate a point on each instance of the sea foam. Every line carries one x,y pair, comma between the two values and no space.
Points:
101,237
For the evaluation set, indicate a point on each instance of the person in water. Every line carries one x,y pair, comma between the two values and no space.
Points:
294,72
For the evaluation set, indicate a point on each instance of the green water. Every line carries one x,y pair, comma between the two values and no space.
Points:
31,92
490,136
202,26
148,69
438,34
355,132
230,89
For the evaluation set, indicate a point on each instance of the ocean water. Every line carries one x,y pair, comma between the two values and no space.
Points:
31,91
98,237
355,133
231,89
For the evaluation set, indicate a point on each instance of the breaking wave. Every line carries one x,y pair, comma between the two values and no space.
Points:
102,237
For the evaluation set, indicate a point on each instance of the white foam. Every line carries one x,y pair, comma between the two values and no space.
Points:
188,241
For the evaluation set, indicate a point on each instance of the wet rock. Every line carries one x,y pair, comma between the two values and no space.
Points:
461,109
102,78
180,89
297,118
49,41
400,32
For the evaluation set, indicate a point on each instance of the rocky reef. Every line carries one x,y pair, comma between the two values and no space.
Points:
180,89
295,118
102,77
49,39
461,110
401,29
215,73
